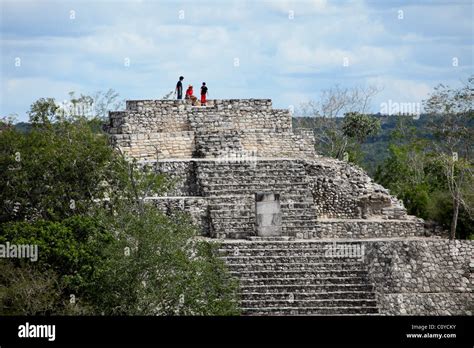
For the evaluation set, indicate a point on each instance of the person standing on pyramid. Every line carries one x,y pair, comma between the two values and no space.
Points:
179,88
203,94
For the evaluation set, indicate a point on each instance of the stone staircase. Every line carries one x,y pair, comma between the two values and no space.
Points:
235,220
242,179
298,278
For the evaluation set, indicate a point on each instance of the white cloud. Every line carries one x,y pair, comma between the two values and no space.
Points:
279,57
399,90
22,92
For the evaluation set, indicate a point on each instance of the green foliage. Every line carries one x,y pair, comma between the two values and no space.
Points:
341,137
414,172
43,111
67,191
54,172
156,267
360,127
71,248
26,290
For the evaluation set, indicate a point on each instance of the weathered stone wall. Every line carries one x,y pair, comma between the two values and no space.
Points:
196,207
363,229
166,119
421,277
183,176
149,146
218,143
267,143
233,184
175,129
143,116
342,190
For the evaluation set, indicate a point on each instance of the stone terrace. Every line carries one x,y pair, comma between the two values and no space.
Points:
251,181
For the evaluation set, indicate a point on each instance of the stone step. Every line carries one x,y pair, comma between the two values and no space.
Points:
275,182
302,209
250,189
233,230
304,206
240,165
299,220
294,266
303,281
250,209
233,213
311,288
225,180
293,310
230,190
231,207
322,303
229,178
283,245
297,225
244,170
308,274
244,191
226,227
273,252
248,173
290,296
237,218
230,234
290,259
268,238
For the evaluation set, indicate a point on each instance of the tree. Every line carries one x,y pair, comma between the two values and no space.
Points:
359,127
406,171
69,252
415,172
25,290
43,111
325,117
452,112
53,171
156,266
67,191
356,128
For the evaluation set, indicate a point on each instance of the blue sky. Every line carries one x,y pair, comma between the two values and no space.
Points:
286,50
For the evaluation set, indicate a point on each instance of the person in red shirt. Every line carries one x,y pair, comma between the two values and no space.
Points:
203,94
189,92
190,95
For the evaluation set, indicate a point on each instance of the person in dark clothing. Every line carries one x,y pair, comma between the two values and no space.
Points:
203,94
179,88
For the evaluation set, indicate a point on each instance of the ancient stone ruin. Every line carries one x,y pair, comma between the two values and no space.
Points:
305,234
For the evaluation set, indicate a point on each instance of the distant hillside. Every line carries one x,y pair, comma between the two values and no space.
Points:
376,147
23,126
